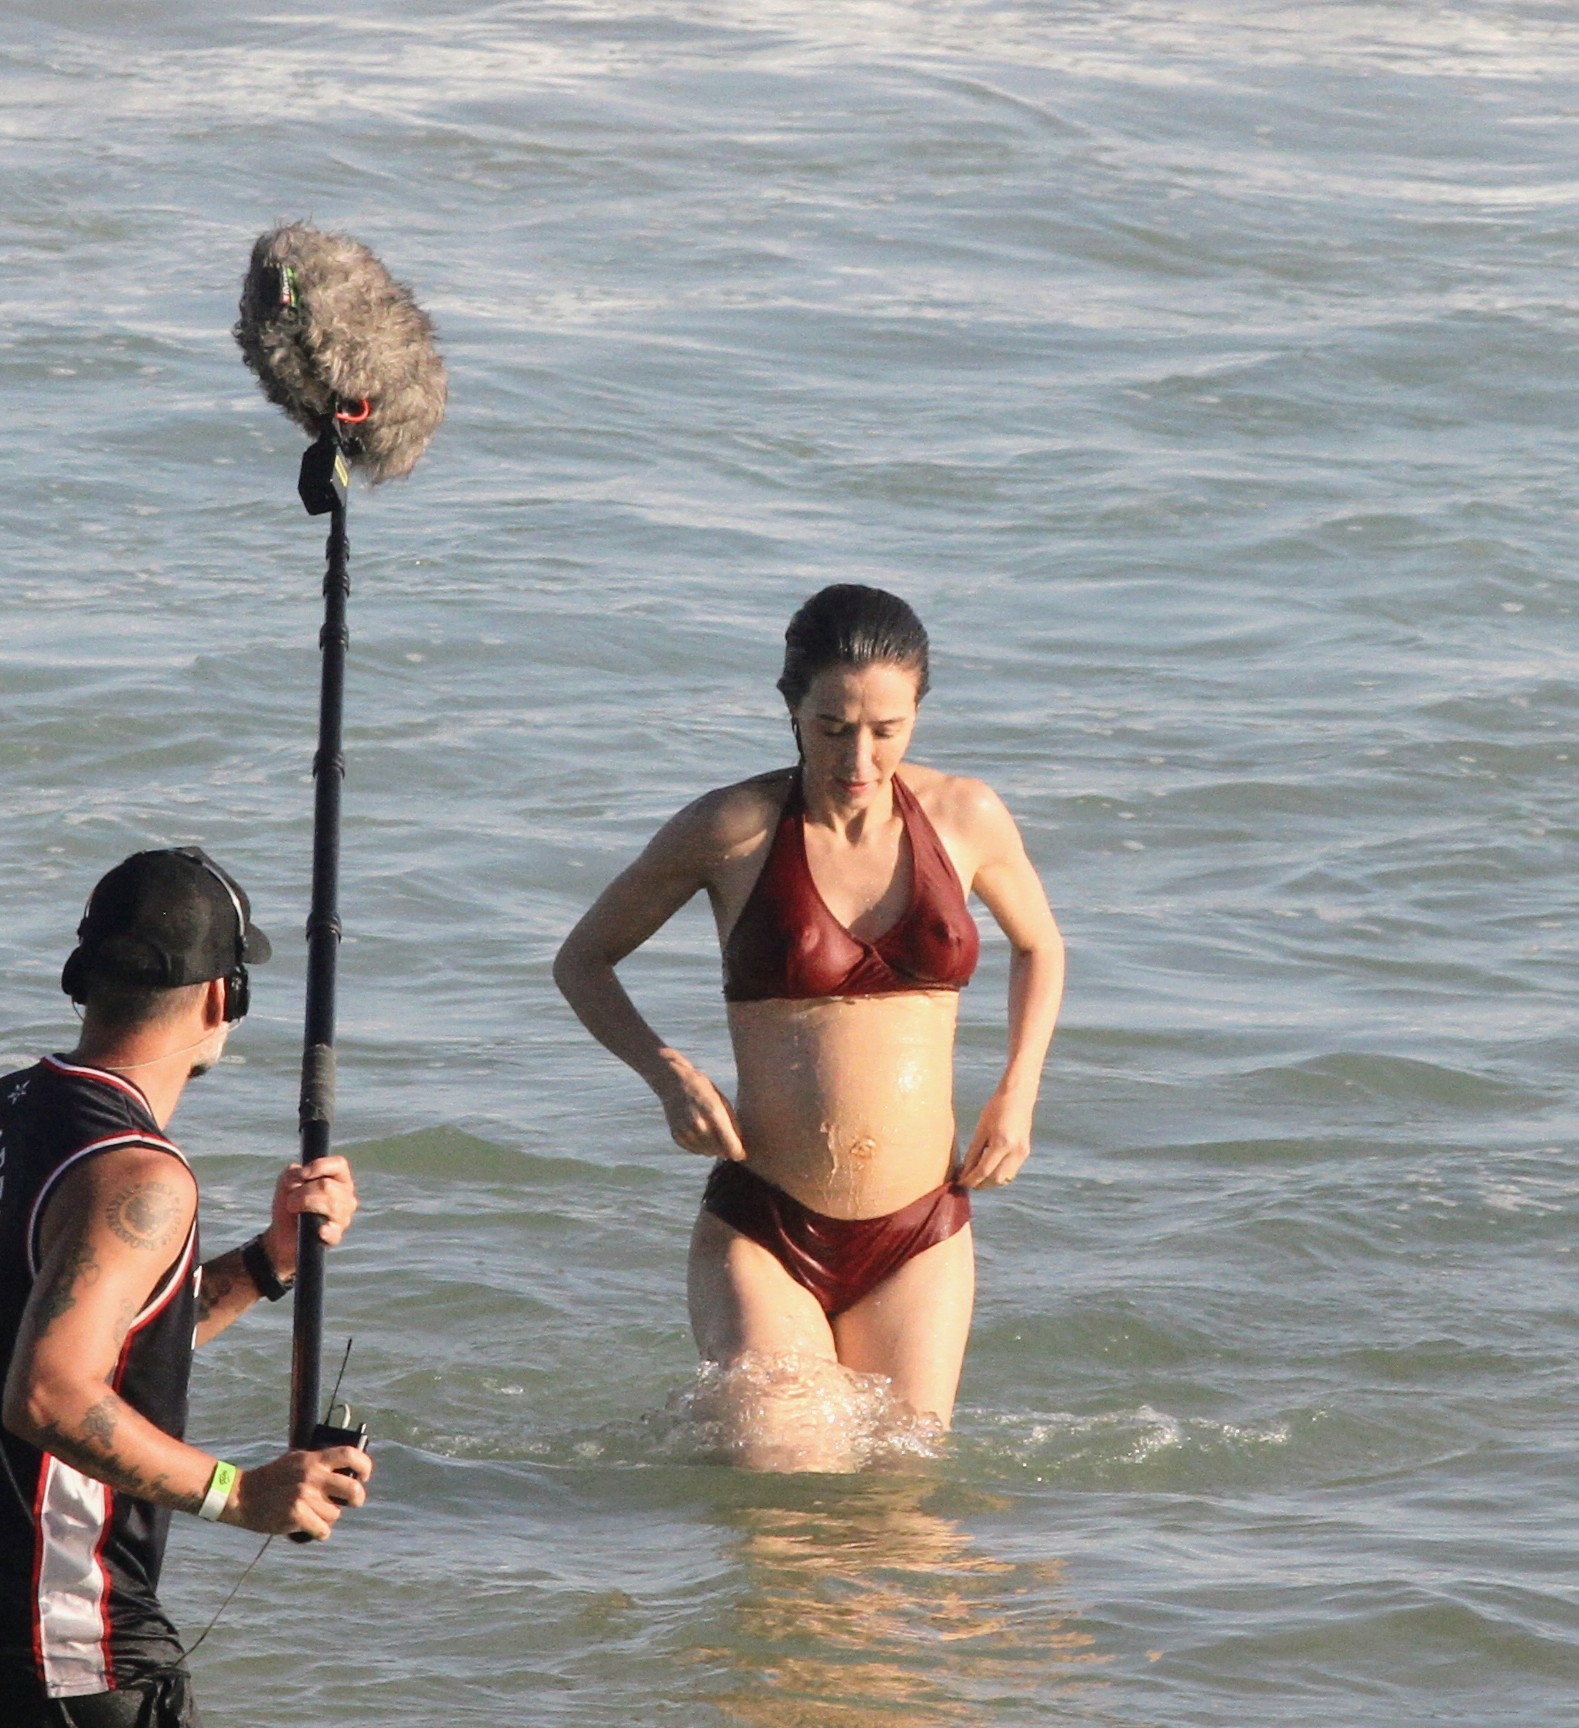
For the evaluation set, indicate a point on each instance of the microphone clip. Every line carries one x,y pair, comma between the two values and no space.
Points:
326,475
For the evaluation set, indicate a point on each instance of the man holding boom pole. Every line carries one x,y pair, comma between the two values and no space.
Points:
102,1298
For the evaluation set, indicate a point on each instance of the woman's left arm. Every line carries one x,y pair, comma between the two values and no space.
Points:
1012,892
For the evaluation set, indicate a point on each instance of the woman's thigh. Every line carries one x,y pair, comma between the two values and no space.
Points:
913,1327
743,1300
783,1405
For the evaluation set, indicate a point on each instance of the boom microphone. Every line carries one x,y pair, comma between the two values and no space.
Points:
348,354
334,338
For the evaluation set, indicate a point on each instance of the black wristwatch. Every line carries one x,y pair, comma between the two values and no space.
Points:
260,1269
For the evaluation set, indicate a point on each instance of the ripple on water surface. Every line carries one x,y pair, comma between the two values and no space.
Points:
1199,372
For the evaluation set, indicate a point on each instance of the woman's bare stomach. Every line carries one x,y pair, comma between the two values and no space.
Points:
848,1103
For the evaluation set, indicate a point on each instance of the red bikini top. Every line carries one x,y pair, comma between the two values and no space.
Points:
786,943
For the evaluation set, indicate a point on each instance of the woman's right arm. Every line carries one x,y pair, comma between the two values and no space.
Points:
637,903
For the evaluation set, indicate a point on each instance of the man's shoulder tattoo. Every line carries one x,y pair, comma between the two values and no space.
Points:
148,1214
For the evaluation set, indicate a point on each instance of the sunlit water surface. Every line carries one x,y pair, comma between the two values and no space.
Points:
1204,376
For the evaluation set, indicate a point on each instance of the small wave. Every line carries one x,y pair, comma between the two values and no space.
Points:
789,1414
1110,1440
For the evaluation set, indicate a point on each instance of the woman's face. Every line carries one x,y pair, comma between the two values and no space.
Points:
855,724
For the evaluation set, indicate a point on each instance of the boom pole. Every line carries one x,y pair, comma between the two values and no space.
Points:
323,487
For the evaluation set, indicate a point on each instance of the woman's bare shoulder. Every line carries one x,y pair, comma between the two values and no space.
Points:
730,820
959,802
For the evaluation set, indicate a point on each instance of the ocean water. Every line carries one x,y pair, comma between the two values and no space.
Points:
1204,374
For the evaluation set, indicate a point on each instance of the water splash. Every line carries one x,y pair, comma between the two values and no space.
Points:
775,1410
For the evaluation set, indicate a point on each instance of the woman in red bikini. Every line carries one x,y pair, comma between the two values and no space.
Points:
836,1222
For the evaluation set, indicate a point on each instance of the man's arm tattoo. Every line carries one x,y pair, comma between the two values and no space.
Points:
78,1271
146,1215
98,1425
92,1451
223,1276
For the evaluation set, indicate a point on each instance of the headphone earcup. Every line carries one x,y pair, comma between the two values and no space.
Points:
238,995
71,979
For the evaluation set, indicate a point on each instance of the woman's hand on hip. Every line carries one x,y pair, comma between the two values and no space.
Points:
699,1115
1000,1145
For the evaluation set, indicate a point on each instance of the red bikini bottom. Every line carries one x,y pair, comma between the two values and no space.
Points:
839,1260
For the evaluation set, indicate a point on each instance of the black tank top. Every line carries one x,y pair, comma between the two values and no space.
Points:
79,1561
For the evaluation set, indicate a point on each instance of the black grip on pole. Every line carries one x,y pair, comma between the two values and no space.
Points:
323,943
318,1074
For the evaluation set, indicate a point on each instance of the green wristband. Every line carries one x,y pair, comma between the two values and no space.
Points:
219,1487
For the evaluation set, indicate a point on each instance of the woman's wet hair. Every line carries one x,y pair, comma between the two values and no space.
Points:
852,625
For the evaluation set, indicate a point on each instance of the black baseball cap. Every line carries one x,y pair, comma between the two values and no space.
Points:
163,919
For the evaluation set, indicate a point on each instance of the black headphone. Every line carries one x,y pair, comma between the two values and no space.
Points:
238,985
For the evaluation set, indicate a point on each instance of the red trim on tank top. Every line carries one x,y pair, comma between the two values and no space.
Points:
132,1137
106,1590
38,1565
103,1076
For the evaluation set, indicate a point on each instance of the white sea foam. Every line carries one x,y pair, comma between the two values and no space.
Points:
1111,1437
783,1411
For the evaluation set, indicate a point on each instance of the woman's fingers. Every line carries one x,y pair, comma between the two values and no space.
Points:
730,1145
700,1117
970,1164
701,1121
994,1164
717,1137
726,1130
973,1176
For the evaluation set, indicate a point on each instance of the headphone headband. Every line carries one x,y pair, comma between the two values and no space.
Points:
151,921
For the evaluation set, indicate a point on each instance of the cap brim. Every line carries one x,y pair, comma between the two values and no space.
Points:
256,947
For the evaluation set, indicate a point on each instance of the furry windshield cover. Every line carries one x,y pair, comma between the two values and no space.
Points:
326,328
